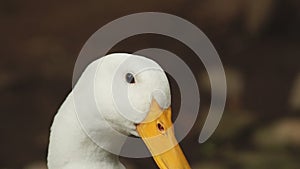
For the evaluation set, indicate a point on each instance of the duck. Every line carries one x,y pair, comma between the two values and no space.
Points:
117,96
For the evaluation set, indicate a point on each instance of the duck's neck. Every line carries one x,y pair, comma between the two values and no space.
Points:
70,148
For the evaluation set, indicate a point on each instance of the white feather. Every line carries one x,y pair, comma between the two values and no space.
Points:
91,121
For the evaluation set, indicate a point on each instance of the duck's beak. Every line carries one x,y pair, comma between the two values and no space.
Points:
158,134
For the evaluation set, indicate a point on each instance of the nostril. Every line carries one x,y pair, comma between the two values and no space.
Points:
160,127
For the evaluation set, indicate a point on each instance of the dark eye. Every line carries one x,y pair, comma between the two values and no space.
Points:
130,78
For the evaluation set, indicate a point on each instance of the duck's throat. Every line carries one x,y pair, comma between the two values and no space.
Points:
70,147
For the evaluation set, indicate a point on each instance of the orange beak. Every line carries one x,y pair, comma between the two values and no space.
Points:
158,134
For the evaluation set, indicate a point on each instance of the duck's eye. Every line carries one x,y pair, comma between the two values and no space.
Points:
130,78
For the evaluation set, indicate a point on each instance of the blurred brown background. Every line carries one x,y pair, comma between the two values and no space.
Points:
258,42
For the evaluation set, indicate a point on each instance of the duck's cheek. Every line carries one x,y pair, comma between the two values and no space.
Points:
134,133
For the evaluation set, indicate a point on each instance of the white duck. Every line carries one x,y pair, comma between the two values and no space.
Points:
83,134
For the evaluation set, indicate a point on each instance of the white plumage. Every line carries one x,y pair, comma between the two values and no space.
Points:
90,114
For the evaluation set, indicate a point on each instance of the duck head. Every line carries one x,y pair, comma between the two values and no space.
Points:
132,95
